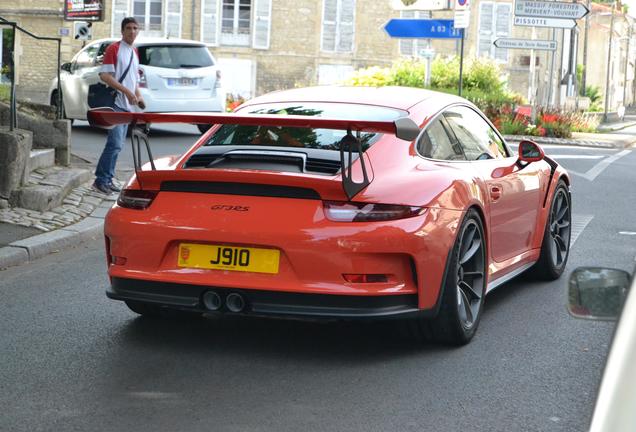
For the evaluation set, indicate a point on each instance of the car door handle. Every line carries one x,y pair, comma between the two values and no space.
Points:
495,192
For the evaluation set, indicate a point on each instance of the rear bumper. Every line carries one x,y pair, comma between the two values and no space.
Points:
154,103
263,303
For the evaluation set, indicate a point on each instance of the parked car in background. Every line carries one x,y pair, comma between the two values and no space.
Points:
601,294
175,75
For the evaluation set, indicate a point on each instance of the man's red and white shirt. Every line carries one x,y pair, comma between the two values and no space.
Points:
116,60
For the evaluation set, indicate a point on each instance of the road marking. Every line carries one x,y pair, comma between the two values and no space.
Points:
579,223
627,233
558,156
597,169
569,147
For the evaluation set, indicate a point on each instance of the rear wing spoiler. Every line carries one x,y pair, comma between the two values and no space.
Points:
403,128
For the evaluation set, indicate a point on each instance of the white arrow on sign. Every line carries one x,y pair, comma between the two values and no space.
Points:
544,22
535,44
550,9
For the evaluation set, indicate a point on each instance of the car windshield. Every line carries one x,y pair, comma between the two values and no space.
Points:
326,139
175,56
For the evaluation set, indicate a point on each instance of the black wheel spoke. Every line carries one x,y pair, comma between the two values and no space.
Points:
465,311
469,291
471,251
474,274
467,241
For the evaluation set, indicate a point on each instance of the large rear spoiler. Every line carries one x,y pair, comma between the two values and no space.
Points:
403,128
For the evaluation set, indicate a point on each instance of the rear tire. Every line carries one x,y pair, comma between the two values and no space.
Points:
63,109
555,247
464,288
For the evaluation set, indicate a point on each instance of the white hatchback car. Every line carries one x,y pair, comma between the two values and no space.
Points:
175,75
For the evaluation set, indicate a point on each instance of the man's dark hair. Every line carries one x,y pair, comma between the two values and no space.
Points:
128,20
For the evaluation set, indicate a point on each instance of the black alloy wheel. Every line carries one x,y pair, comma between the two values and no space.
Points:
463,291
470,274
555,248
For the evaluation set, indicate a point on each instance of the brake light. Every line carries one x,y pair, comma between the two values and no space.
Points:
143,82
340,211
217,84
136,199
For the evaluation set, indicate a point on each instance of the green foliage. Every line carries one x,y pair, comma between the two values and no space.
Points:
408,73
374,76
445,73
5,92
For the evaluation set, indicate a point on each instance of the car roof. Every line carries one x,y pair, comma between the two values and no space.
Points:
388,96
142,41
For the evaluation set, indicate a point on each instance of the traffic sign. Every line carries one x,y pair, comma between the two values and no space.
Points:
532,44
422,28
544,22
426,5
462,13
550,9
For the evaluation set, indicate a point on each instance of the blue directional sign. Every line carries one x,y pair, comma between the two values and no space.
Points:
422,28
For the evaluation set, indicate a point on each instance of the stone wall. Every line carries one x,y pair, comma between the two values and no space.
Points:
46,130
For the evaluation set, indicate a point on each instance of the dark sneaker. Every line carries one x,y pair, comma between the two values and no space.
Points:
114,188
105,189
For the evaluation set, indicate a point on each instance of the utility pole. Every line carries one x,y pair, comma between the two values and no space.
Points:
609,60
585,32
629,39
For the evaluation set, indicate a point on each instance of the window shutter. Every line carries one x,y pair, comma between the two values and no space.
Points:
503,16
329,19
120,11
262,20
210,22
346,26
421,44
173,18
406,45
486,24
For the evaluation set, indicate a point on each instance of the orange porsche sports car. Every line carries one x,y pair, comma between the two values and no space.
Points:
337,202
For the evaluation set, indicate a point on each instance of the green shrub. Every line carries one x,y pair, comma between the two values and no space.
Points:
445,73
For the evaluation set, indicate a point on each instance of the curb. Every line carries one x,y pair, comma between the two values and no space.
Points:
29,249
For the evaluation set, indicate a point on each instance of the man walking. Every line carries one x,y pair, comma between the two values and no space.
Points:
119,71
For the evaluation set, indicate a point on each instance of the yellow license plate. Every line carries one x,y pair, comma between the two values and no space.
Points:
233,258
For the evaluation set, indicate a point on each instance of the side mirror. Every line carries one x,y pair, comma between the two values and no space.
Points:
66,67
530,152
597,293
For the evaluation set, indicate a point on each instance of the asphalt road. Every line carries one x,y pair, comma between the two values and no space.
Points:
73,360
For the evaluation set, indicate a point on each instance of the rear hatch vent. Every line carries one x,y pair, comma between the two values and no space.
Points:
313,165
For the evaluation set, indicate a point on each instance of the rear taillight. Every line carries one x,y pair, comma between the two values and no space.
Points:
136,199
218,79
340,211
143,82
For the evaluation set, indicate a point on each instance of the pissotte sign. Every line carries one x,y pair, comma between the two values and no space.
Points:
536,44
525,21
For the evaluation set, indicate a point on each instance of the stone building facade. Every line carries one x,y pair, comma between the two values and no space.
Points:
265,45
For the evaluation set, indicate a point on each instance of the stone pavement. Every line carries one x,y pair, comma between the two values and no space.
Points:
26,235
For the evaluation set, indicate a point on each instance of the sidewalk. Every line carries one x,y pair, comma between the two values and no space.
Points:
26,235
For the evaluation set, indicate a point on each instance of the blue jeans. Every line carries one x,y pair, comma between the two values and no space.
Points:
114,143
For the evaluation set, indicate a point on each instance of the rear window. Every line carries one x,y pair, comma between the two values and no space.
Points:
175,56
325,139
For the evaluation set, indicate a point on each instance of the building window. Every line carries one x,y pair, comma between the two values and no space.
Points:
494,23
236,22
338,25
149,15
414,47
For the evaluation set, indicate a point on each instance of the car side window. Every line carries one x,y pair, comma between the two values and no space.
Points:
85,58
436,144
99,58
478,139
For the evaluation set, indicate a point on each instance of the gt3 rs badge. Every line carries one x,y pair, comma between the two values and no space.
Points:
229,207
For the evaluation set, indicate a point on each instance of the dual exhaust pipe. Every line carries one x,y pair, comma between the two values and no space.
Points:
234,302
